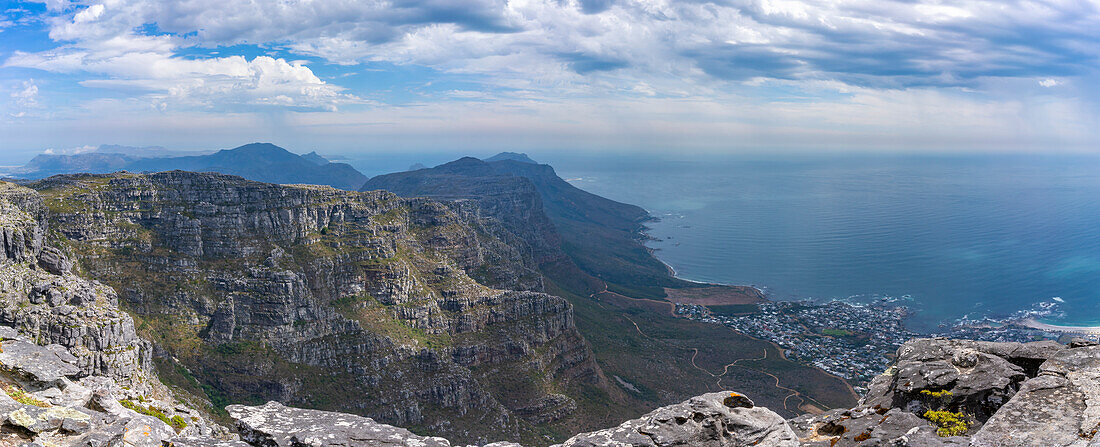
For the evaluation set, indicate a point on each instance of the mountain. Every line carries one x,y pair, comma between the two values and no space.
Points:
263,162
76,369
338,300
433,315
601,236
315,158
257,161
514,156
416,167
45,165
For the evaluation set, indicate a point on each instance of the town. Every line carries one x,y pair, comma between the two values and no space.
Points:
855,342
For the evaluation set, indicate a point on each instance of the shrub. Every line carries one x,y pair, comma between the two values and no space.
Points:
948,423
176,421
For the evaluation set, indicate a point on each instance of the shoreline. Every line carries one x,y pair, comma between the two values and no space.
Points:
1035,324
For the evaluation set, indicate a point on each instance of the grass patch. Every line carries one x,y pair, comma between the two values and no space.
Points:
21,396
177,422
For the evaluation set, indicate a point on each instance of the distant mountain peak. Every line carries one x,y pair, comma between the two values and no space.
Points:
514,156
315,158
259,148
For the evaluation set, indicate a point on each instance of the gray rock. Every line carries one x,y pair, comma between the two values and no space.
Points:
36,364
1060,407
196,441
715,419
54,261
146,431
981,376
274,424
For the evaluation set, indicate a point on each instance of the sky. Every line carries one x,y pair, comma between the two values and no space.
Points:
580,75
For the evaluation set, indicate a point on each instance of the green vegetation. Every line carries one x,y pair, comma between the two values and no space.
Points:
177,422
948,423
21,396
834,332
942,394
376,317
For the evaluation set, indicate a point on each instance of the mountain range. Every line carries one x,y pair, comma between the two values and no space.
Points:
256,161
162,309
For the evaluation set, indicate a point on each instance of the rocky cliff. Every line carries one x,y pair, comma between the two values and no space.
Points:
940,393
359,302
601,236
74,371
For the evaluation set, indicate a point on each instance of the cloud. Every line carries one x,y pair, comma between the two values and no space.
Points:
27,96
1050,82
884,43
888,67
70,151
104,46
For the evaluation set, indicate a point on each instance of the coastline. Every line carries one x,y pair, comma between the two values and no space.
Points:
1085,330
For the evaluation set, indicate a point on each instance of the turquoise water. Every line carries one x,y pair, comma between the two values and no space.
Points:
950,236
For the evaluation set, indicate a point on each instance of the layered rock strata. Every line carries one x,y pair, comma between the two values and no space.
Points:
365,303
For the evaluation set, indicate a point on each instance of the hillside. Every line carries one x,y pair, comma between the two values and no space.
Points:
601,237
356,302
429,315
285,319
257,161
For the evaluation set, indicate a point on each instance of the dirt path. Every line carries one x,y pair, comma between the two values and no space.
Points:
736,363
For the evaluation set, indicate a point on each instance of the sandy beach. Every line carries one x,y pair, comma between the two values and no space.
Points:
1087,330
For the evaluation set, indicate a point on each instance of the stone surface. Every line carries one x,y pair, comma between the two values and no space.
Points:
1060,407
980,376
711,420
34,363
274,424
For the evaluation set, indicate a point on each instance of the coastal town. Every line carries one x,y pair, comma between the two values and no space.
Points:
854,341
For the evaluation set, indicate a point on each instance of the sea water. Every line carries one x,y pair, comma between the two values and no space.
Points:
950,236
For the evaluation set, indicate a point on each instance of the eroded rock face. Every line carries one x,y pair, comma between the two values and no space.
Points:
73,370
358,302
1059,407
979,376
274,424
711,420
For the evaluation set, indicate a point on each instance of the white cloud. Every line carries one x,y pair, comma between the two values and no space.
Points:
781,69
104,46
70,151
27,96
1050,82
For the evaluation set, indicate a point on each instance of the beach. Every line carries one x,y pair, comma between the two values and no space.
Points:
1086,330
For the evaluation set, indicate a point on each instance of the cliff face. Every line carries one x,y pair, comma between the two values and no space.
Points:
357,302
940,393
73,370
557,220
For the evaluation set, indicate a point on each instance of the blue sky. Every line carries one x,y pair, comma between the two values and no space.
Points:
590,75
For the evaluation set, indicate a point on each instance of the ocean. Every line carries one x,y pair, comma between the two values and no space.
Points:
951,237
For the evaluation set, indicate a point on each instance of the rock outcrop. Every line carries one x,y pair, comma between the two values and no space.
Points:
967,393
73,370
367,303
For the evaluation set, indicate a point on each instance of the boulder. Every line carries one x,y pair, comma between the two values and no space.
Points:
54,261
1060,407
980,376
36,364
715,419
274,424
